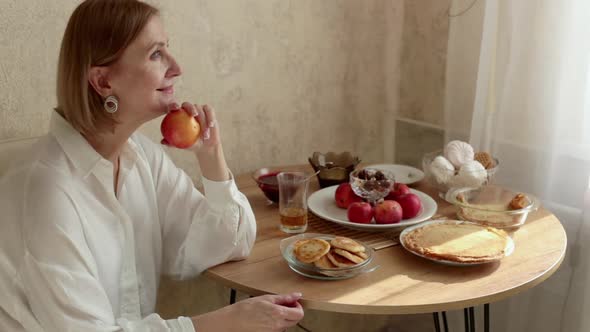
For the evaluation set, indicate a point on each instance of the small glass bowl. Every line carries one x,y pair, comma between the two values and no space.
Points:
312,271
372,189
451,179
488,205
266,179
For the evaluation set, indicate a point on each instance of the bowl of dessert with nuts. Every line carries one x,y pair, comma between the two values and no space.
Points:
492,205
371,184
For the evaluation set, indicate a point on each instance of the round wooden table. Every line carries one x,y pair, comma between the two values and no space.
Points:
404,283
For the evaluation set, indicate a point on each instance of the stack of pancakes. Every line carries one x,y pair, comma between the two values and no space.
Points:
458,242
340,252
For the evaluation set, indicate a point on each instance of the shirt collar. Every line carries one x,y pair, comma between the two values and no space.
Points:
79,151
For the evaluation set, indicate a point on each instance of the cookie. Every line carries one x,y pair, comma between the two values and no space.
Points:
298,243
520,201
485,159
324,263
338,260
311,250
347,244
362,255
349,255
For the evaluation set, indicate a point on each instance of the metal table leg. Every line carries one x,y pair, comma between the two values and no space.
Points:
471,319
436,321
232,296
445,324
486,317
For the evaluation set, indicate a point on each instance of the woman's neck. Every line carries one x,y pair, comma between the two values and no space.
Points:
109,144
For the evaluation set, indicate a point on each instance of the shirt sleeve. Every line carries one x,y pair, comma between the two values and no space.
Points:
199,231
60,275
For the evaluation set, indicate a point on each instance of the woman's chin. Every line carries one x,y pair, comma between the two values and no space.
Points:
166,102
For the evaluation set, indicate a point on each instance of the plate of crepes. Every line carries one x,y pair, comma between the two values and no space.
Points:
327,257
457,243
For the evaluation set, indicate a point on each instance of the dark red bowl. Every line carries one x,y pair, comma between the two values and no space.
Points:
267,181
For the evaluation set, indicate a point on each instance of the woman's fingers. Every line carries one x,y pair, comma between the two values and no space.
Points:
285,299
292,313
211,117
172,107
190,108
203,121
268,312
202,117
290,310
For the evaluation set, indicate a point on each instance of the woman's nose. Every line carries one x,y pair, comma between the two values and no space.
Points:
174,69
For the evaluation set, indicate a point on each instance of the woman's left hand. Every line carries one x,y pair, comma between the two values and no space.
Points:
209,138
208,146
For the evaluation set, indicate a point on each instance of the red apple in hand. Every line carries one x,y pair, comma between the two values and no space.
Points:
399,189
360,212
388,212
410,205
345,196
180,129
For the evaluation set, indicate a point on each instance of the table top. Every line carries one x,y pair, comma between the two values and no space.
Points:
404,283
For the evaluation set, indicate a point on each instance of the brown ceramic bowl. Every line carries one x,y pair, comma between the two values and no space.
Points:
334,168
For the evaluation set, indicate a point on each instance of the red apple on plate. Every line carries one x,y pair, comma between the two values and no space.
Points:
399,189
388,212
410,204
180,129
345,196
360,212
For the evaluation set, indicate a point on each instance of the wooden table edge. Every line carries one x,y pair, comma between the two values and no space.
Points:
393,310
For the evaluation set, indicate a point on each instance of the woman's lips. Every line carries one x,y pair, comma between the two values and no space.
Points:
167,90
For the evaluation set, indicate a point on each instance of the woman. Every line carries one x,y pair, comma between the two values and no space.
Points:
99,211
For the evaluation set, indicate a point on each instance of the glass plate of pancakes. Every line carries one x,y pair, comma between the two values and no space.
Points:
327,257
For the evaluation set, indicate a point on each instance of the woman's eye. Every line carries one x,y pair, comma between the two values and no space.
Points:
156,54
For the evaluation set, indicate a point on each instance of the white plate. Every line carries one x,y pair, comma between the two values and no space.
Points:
404,233
403,174
323,204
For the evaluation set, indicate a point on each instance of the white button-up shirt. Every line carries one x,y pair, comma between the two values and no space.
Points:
75,256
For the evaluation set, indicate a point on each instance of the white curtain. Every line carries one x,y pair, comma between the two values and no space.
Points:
532,109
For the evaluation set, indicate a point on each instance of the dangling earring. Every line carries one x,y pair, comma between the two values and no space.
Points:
111,104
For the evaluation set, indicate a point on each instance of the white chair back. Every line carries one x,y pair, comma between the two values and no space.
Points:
13,150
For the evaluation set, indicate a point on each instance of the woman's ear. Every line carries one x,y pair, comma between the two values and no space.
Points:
98,78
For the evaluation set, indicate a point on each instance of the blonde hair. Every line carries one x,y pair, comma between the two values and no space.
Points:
96,35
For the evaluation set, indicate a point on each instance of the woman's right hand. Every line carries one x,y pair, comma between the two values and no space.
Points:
267,313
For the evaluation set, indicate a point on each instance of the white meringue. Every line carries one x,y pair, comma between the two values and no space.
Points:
442,169
459,152
471,174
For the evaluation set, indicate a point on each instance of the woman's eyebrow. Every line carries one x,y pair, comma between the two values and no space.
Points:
158,43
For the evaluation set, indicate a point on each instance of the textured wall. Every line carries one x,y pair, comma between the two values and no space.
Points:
424,55
419,126
287,78
465,33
